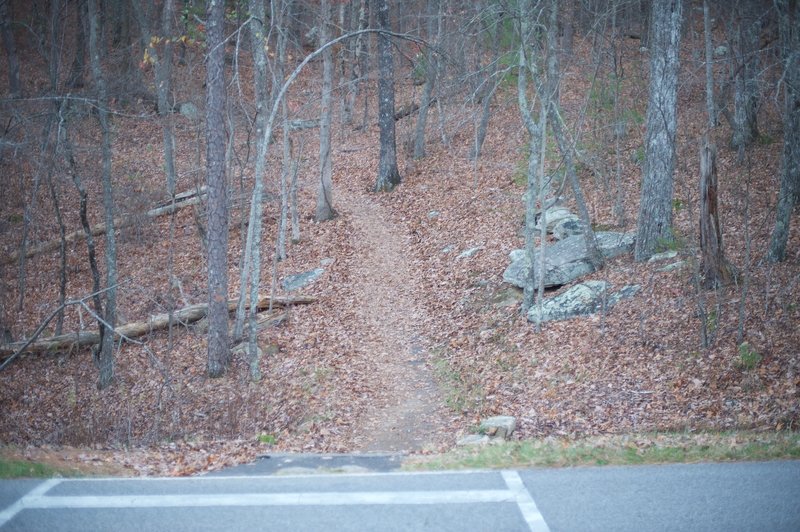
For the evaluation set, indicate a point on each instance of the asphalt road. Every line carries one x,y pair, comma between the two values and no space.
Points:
729,497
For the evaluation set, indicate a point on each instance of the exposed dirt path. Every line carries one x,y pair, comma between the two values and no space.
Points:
407,414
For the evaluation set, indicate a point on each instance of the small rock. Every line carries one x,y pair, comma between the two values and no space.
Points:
671,267
189,110
447,249
294,282
663,256
499,426
327,261
473,439
470,252
433,214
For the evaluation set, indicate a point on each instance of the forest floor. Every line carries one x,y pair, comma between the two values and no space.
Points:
414,337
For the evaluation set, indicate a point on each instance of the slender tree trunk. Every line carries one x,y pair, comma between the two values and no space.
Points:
534,130
709,51
434,21
325,210
252,246
357,70
14,85
62,255
106,350
789,196
655,207
388,174
218,347
163,87
90,246
75,79
747,32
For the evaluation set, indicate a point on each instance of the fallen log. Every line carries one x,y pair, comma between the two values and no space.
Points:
191,197
184,316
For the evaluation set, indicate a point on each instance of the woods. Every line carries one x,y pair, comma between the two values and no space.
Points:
168,161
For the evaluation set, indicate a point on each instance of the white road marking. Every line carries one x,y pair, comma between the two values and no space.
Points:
37,492
525,502
272,499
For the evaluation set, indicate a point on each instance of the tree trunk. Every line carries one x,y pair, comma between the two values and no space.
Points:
14,86
714,269
218,347
251,262
325,210
163,85
709,51
788,20
105,355
534,130
357,70
388,174
434,21
655,207
747,31
75,79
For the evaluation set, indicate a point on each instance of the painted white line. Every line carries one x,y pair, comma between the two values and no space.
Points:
273,499
9,513
525,502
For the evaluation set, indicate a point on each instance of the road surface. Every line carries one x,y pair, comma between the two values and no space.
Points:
729,497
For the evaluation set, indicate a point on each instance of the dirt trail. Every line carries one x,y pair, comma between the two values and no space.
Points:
407,413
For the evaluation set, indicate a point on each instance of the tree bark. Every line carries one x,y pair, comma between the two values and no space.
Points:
325,210
788,21
434,21
655,207
105,354
709,51
747,30
218,346
714,268
14,85
388,173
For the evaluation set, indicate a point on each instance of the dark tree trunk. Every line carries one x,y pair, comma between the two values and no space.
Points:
714,268
388,174
75,79
163,85
14,86
655,208
218,347
789,24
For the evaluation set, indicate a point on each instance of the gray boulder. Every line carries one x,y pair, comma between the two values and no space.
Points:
498,426
567,227
567,259
554,215
580,300
299,280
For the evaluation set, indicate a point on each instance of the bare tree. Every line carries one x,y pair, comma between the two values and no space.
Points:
105,354
388,174
746,31
655,207
434,31
788,19
218,348
325,210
